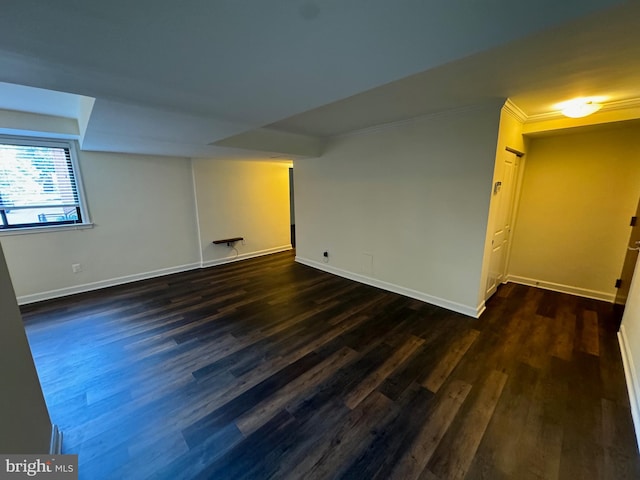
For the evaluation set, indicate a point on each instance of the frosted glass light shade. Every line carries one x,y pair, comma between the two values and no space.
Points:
580,108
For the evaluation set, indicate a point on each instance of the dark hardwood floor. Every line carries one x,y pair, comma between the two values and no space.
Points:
270,369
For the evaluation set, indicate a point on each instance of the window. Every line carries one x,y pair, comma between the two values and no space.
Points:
39,184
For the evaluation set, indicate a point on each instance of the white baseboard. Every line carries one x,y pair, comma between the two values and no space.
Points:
407,292
245,256
633,387
88,287
557,287
55,447
111,282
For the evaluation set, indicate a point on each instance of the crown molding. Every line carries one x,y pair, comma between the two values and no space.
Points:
606,107
621,105
515,111
541,117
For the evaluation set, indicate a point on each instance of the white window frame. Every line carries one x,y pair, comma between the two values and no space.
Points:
72,145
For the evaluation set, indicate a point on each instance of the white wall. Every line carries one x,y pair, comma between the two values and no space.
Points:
579,192
403,207
25,426
145,224
248,199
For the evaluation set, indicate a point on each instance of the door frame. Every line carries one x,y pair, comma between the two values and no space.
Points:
494,209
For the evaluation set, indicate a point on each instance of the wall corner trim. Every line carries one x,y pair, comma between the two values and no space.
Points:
470,311
480,309
633,387
55,447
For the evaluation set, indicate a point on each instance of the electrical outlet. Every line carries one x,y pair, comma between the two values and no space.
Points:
325,254
76,267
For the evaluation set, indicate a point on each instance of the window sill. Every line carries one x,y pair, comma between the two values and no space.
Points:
50,229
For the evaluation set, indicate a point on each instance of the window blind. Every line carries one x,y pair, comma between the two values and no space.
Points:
37,186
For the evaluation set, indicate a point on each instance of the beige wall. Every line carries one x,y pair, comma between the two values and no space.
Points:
147,223
144,214
578,195
248,199
25,426
405,207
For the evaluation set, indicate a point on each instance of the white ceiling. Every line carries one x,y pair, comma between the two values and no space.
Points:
175,78
595,56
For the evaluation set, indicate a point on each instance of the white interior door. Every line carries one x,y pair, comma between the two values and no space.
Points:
504,189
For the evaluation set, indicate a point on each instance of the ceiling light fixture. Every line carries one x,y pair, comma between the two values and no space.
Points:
580,107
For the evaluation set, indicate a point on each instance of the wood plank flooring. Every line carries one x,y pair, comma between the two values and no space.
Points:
270,369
